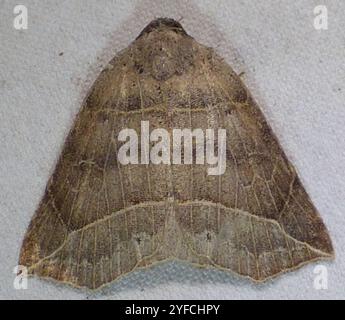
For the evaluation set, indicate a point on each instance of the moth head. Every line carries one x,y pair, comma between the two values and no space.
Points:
163,24
164,49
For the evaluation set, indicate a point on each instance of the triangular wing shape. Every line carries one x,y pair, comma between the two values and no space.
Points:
100,219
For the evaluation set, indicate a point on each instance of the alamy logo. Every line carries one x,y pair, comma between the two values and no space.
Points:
321,17
321,278
20,21
157,148
21,279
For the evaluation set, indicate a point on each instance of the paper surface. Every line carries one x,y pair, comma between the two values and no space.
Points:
295,73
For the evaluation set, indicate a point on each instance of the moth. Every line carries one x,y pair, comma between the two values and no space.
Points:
100,219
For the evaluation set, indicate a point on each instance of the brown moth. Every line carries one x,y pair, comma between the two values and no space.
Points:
100,219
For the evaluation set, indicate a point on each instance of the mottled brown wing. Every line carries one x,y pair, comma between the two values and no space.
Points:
90,227
256,219
100,219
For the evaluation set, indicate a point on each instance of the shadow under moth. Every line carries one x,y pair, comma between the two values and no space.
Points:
100,219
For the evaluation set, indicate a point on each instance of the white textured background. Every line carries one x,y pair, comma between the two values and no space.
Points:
297,75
